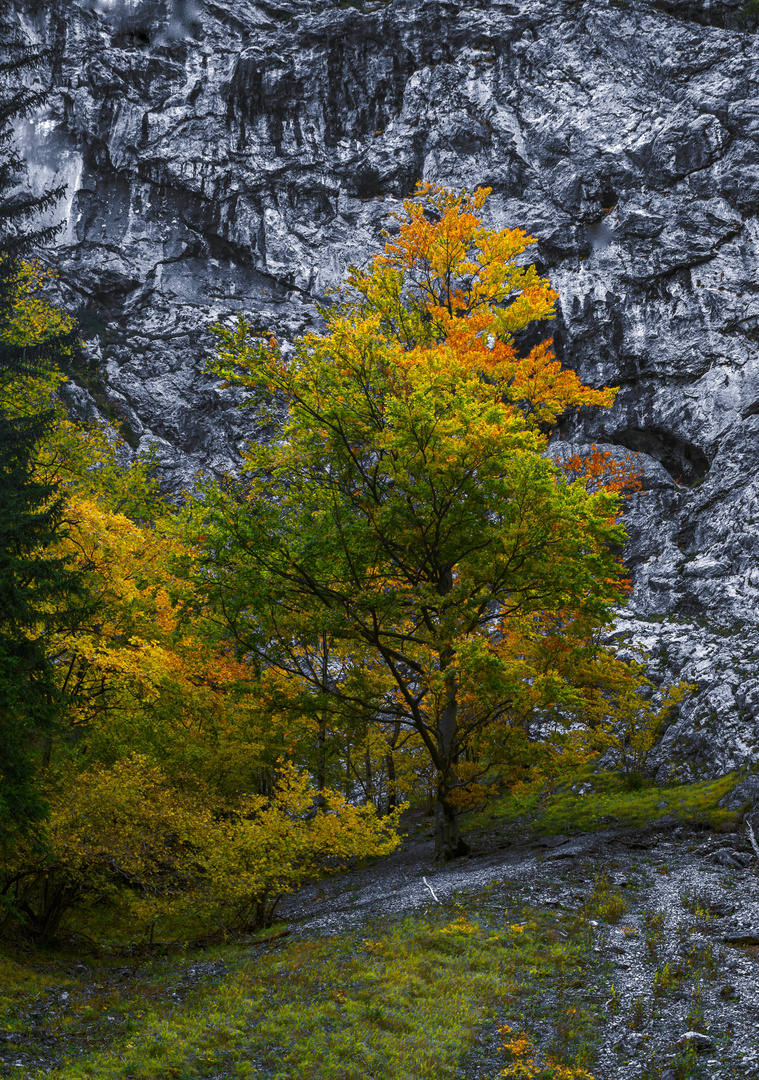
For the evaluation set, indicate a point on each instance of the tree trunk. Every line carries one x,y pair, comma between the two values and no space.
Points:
392,782
392,791
321,742
448,842
369,785
321,761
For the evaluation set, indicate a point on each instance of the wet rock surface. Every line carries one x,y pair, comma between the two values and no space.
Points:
224,157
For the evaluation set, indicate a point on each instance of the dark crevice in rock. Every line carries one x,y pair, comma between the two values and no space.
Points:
150,23
681,270
684,461
723,14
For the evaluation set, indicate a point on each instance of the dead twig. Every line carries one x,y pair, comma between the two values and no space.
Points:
271,937
427,884
752,838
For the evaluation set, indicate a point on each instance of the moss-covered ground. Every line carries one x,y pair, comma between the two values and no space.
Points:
603,800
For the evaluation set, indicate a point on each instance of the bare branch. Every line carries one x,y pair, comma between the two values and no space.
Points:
427,885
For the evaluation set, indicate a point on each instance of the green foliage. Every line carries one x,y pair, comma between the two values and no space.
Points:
666,979
750,12
404,551
606,801
605,902
685,1063
45,594
30,515
37,588
653,932
28,700
638,1014
695,1018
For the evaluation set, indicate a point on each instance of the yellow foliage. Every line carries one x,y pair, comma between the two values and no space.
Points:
35,320
636,723
461,925
182,850
525,1061
146,680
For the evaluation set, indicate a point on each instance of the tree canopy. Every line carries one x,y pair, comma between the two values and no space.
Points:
403,551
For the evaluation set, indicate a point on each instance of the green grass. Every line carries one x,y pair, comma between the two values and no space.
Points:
22,981
422,997
606,902
396,1000
609,803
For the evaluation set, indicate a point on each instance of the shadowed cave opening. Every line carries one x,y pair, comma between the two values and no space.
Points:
684,461
725,14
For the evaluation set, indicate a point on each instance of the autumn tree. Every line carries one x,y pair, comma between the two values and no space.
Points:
151,789
406,520
164,782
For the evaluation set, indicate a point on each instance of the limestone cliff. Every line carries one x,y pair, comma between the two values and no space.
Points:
225,155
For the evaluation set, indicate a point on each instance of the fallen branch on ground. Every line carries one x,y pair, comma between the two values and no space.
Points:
752,838
271,937
424,879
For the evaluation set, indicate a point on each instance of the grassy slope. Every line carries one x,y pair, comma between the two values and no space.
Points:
417,998
394,1001
602,801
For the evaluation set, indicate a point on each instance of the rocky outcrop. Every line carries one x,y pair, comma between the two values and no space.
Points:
237,156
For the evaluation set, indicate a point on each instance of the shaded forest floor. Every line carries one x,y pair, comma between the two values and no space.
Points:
599,950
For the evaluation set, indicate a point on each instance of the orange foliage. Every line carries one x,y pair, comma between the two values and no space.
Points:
602,470
448,280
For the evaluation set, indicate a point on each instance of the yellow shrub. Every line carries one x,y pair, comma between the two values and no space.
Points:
525,1060
175,851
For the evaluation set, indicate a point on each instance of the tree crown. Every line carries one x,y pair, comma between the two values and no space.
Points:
406,513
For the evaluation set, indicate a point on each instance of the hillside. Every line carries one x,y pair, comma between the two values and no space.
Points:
600,950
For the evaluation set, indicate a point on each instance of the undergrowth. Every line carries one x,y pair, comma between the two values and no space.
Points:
418,998
390,1002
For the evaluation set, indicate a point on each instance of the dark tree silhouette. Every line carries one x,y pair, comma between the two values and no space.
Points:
33,587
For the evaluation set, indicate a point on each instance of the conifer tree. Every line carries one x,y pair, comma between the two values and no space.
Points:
32,585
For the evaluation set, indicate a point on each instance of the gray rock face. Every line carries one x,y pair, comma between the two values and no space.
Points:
226,156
